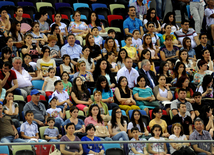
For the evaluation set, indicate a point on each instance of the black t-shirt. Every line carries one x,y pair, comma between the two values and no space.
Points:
24,20
33,52
187,121
95,51
28,68
197,107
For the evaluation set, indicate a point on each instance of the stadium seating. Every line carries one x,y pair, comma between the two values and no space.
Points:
4,150
20,147
102,11
25,4
42,4
114,6
42,131
66,10
80,5
31,10
33,1
5,3
117,151
98,5
59,5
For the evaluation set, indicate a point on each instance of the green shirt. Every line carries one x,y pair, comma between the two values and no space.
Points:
67,87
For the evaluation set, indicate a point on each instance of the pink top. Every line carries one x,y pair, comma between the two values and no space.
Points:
90,120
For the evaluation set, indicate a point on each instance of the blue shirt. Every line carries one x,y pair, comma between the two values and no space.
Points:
191,52
132,24
73,52
105,95
78,126
51,132
91,147
29,129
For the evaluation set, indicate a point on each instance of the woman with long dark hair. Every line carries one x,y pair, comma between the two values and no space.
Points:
15,32
170,19
164,69
94,22
62,26
207,57
110,46
151,17
180,70
206,88
187,45
122,55
137,121
6,56
56,32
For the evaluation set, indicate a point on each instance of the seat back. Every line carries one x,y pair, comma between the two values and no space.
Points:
25,152
113,17
42,98
42,131
3,3
123,112
113,6
4,149
32,1
114,28
62,15
79,5
31,10
66,10
115,151
143,112
102,11
41,4
81,17
18,98
58,5
37,84
101,17
109,146
25,4
68,115
120,11
98,5
16,148
146,119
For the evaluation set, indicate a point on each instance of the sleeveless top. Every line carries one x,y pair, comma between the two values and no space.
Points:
122,94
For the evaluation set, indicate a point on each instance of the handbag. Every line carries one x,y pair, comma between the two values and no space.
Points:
101,131
55,152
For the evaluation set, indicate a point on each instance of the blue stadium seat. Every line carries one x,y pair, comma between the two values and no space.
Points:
101,17
58,5
37,84
82,17
3,3
25,4
109,146
143,112
123,43
98,5
4,150
123,112
80,5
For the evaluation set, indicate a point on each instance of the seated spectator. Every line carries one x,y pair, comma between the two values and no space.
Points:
7,76
152,33
8,131
132,23
142,9
203,45
97,38
55,31
103,69
66,84
107,94
186,31
95,52
29,129
46,62
70,137
37,35
62,26
80,95
94,22
136,121
143,95
179,70
2,92
157,112
148,74
136,39
147,44
10,44
123,95
129,72
77,27
96,118
30,48
86,57
187,45
72,49
111,61
67,66
171,20
132,53
171,67
146,54
78,123
41,18
155,148
122,55
151,17
206,87
110,46
169,51
6,56
138,148
168,30
11,109
82,73
182,99
206,56
19,18
207,117
177,134
198,77
92,148
3,34
5,19
162,91
200,134
198,104
183,82
54,49
112,33
15,32
209,17
63,98
183,119
165,70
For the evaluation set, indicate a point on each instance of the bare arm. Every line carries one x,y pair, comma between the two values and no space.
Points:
127,32
15,82
197,40
44,84
197,149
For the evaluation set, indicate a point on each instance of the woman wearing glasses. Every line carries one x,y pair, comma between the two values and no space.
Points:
157,113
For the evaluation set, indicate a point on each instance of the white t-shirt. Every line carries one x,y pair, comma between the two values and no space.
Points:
50,83
136,43
172,150
62,27
54,112
145,21
173,28
189,65
98,40
61,96
157,147
209,12
130,126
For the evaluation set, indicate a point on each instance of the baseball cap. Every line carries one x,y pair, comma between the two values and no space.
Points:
53,97
34,92
1,102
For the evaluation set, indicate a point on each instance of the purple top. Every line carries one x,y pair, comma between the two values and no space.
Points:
71,147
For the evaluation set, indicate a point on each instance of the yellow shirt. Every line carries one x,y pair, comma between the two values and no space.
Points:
163,124
131,51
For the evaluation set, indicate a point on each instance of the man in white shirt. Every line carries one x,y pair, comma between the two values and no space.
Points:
130,73
209,13
23,77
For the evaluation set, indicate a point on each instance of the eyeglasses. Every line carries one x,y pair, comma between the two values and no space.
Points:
118,112
136,114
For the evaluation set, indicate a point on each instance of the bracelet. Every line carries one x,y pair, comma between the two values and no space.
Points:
168,90
4,32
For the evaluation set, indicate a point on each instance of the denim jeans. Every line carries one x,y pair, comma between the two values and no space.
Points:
201,153
121,136
32,141
9,139
160,8
106,139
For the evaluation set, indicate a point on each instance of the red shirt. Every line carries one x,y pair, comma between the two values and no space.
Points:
9,80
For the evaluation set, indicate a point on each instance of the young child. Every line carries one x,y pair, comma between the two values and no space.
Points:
55,112
66,84
63,98
5,56
112,33
67,66
97,39
48,85
29,129
137,148
157,148
136,41
52,134
111,60
9,43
